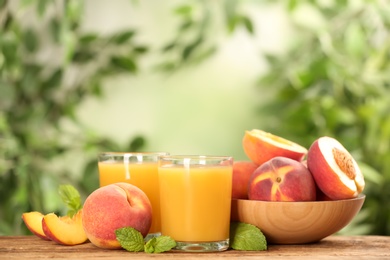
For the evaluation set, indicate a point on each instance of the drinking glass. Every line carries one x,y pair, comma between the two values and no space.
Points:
139,169
195,201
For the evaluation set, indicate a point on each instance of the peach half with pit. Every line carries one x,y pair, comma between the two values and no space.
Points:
112,207
334,169
261,146
33,221
282,179
242,171
64,230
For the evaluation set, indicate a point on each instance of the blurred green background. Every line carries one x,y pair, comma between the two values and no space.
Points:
189,77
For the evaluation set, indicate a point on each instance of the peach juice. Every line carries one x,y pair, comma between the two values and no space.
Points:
139,169
195,198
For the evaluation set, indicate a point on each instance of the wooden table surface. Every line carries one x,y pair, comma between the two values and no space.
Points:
333,247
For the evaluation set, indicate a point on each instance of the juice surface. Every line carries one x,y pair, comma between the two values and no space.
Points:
143,175
196,202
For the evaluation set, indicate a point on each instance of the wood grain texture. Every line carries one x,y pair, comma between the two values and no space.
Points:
297,222
333,247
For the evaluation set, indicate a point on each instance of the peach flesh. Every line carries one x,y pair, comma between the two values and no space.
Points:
33,221
261,146
335,171
64,230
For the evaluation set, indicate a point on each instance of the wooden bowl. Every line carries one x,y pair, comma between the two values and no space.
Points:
296,222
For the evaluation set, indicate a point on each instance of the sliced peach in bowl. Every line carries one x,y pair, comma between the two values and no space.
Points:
33,221
261,146
64,230
335,171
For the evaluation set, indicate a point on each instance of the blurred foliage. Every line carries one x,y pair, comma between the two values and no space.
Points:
332,79
47,67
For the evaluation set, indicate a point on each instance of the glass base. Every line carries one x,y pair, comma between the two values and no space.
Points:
213,246
151,235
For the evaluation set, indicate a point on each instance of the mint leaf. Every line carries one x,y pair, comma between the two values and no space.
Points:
159,244
130,239
71,197
247,237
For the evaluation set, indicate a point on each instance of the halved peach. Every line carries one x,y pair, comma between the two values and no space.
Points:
334,169
64,230
261,146
33,221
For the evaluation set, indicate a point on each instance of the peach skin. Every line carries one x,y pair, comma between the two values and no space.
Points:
282,179
112,207
334,169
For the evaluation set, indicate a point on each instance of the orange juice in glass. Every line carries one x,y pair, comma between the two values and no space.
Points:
139,169
195,200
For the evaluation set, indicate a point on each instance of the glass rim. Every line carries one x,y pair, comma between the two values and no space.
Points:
131,153
196,157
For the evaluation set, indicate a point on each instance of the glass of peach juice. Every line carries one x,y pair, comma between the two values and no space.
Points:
139,169
195,201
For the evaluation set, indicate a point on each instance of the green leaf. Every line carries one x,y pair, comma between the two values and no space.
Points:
123,37
88,38
71,197
248,24
159,244
247,237
130,239
41,6
124,63
83,56
30,40
184,10
189,49
136,143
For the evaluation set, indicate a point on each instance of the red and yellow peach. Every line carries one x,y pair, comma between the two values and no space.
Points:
112,207
282,179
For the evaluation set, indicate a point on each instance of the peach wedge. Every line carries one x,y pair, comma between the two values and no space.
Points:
33,221
64,230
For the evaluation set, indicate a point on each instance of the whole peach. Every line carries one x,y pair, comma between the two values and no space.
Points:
242,171
282,179
115,206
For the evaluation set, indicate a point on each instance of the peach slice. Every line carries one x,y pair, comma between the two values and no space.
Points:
112,207
282,179
334,169
64,230
242,171
261,146
33,221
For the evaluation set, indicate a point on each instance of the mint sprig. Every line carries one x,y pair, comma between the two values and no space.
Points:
246,237
133,241
130,239
159,244
71,197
